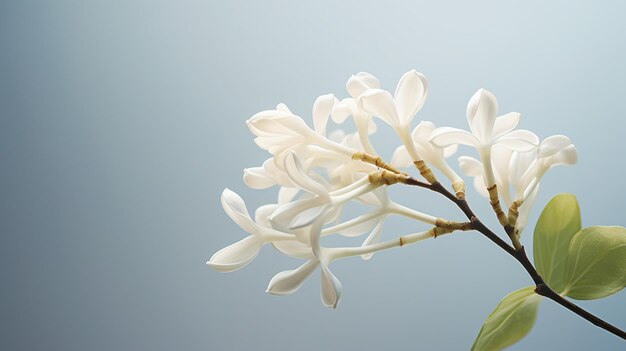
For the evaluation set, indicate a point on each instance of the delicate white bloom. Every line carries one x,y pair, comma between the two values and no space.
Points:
520,171
322,107
269,174
318,170
553,151
433,155
242,252
472,167
279,131
486,131
524,211
287,282
506,171
398,110
304,211
357,84
517,174
361,82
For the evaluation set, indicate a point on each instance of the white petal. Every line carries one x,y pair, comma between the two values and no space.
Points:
264,121
553,144
333,214
257,178
295,124
423,131
315,233
450,150
274,122
371,127
298,176
520,164
374,237
360,82
321,110
501,159
519,140
380,104
293,248
273,170
342,110
401,158
282,107
410,95
287,194
306,217
369,80
236,209
524,210
446,136
282,217
481,187
352,141
567,156
287,282
236,255
337,135
277,143
262,214
470,166
481,114
331,288
505,124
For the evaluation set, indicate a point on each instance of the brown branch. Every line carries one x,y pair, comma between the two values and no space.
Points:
541,287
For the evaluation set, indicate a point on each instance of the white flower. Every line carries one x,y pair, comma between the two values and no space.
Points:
431,154
524,211
486,131
553,151
304,211
287,282
357,84
507,171
398,110
244,251
269,174
322,108
318,171
521,172
279,131
361,82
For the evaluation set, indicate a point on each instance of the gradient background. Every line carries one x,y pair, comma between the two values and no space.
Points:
122,121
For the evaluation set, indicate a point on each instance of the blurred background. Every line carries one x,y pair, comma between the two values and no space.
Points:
122,122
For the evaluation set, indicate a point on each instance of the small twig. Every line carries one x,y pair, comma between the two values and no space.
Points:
520,255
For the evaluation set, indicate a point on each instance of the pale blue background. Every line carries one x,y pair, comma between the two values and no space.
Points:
122,121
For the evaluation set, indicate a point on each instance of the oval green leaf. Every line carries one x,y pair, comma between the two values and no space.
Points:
556,226
596,263
509,322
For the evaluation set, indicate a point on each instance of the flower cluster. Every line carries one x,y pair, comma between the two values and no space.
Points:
318,172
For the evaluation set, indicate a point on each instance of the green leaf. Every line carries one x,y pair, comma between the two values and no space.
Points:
596,263
556,226
509,322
